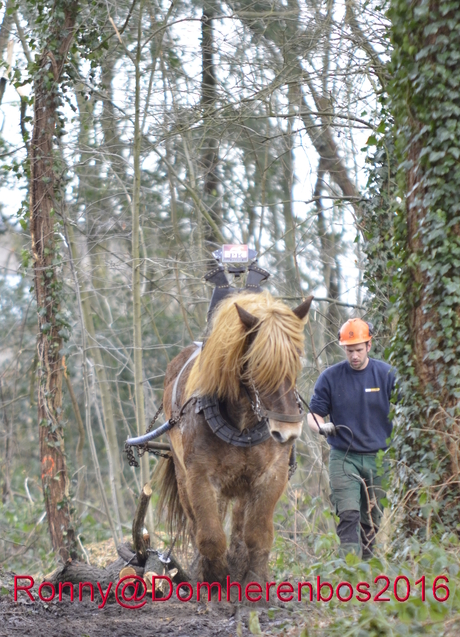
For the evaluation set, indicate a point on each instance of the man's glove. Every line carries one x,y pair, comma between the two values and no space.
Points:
327,429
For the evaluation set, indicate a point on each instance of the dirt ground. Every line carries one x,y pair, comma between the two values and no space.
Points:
85,619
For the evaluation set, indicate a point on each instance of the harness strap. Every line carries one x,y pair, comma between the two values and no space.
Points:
261,412
274,415
175,408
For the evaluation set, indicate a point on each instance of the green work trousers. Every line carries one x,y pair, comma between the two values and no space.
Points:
356,492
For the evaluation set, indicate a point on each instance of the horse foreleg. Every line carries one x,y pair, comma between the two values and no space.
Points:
259,530
209,533
237,553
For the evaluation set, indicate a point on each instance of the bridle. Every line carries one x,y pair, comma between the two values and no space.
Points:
262,413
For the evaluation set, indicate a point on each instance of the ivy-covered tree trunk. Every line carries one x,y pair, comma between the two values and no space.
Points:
43,198
425,103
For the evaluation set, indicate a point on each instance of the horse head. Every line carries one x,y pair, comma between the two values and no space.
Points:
280,404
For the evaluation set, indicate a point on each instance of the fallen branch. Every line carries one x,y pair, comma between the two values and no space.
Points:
139,540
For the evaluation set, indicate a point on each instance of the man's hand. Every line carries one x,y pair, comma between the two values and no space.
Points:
317,424
327,429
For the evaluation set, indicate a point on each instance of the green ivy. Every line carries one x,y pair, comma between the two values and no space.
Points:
378,207
424,101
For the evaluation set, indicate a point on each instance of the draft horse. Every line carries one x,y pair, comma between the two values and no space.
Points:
238,415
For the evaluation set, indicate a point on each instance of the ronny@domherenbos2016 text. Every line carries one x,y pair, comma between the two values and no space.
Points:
131,591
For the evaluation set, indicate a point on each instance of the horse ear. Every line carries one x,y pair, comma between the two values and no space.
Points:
249,321
301,310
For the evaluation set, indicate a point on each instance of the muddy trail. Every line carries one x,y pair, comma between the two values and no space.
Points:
84,618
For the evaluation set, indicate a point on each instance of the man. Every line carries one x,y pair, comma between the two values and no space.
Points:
355,394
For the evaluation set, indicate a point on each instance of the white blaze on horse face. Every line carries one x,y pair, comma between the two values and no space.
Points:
285,431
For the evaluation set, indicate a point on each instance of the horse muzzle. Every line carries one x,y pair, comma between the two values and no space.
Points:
284,432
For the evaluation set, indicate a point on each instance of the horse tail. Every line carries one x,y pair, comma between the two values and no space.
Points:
169,505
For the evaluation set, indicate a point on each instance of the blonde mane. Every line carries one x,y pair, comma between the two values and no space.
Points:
273,355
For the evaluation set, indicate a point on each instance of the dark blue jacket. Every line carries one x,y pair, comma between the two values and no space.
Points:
359,399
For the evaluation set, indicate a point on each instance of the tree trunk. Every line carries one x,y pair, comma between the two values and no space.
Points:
137,264
44,188
210,157
289,261
425,103
81,476
94,352
139,542
4,36
329,252
88,297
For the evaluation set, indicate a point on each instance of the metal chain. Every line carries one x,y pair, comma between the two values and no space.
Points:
130,456
255,405
153,452
155,418
141,449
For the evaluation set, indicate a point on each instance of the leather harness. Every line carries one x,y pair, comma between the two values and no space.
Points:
176,410
210,407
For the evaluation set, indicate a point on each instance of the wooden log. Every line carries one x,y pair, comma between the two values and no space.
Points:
125,551
173,569
154,563
127,570
153,567
131,570
180,575
139,542
75,572
161,586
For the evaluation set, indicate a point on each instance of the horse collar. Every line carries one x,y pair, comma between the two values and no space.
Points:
209,405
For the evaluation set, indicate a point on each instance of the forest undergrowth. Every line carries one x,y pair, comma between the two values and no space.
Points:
409,587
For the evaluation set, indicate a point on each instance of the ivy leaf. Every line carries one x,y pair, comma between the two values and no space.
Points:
436,155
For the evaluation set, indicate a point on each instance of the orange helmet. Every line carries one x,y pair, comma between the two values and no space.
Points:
355,331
